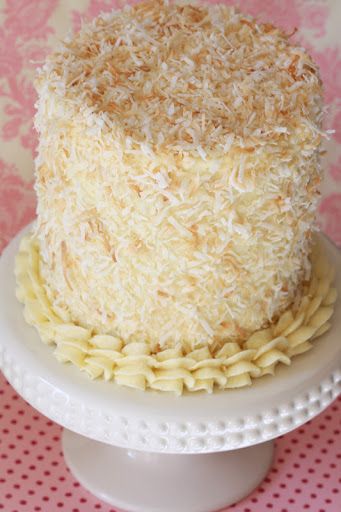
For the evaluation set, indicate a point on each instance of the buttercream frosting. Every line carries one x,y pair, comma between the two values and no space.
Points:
134,364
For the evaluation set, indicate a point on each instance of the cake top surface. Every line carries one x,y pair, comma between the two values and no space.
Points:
186,76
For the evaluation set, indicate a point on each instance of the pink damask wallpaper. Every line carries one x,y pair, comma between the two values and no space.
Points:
29,29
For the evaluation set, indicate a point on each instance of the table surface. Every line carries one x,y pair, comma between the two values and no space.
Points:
33,476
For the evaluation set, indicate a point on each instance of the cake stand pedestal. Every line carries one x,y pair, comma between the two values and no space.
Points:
153,452
140,481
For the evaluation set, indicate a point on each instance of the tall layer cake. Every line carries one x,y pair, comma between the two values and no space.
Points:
177,180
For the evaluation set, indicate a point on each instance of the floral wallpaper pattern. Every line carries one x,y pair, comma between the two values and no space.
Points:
29,29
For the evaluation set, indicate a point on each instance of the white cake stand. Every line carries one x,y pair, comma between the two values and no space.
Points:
151,452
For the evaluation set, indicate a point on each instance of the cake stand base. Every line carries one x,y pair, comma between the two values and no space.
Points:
137,481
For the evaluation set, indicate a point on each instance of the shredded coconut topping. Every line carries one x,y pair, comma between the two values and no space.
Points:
187,77
177,175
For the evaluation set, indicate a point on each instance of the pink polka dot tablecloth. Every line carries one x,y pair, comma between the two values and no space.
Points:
33,477
305,476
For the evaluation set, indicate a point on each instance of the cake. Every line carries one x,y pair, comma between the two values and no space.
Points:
177,178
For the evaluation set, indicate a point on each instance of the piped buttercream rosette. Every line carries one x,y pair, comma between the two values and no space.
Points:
232,365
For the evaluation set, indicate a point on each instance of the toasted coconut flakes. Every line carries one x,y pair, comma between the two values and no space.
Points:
225,67
159,118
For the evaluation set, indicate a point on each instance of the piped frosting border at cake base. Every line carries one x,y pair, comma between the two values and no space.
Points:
134,364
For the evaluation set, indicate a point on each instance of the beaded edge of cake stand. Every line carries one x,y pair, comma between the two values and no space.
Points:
167,436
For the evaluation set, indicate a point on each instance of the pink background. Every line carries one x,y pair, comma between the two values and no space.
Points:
33,476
